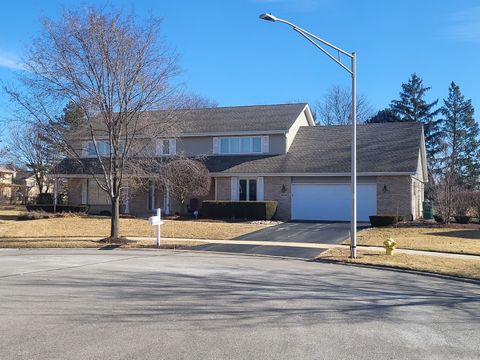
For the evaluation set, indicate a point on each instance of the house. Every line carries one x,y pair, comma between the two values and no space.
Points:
275,152
6,184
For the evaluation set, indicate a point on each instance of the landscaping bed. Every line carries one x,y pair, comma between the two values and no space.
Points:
434,264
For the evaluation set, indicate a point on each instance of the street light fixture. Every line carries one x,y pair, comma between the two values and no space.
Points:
352,70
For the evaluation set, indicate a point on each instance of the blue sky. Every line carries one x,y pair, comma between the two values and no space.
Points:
229,55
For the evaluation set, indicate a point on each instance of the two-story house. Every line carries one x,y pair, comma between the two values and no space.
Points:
276,152
6,184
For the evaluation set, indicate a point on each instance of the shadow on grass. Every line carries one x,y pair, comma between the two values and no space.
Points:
459,234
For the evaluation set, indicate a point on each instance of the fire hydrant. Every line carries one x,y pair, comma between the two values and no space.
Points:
390,246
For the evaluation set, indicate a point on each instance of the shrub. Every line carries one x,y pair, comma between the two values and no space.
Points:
60,208
37,215
44,199
438,219
462,219
385,220
254,210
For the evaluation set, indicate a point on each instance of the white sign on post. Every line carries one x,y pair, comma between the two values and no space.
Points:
156,221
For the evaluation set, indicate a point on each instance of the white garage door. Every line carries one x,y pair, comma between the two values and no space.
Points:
332,202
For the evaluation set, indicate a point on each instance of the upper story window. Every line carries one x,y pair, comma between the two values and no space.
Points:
103,148
166,147
241,145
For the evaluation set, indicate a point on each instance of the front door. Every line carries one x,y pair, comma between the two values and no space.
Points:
247,189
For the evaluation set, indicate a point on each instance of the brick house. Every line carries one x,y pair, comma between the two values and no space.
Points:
276,152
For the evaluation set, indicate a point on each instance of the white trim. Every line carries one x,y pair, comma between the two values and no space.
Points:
233,188
84,191
151,201
216,188
172,147
127,201
265,144
166,201
260,189
309,114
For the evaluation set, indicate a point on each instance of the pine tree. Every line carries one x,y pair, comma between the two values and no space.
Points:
383,116
413,107
461,138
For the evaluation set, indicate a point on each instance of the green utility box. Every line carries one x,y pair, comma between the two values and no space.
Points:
427,210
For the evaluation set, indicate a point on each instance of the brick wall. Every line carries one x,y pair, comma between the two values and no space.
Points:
272,188
394,196
223,188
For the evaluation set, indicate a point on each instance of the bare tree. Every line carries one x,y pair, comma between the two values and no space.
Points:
186,177
336,107
195,101
29,149
115,71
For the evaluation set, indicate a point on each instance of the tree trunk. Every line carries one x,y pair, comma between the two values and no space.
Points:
114,224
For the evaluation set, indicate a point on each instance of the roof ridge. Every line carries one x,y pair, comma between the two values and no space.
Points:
235,106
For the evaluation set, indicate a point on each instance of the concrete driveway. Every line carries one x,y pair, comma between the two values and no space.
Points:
90,304
301,232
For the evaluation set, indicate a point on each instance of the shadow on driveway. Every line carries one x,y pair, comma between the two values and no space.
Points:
301,232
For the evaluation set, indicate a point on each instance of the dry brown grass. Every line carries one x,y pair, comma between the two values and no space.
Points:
456,239
90,244
434,264
65,229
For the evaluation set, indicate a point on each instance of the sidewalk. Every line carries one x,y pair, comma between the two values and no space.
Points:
319,246
269,244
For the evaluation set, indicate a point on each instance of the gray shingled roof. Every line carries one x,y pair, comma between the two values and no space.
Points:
258,118
388,147
237,118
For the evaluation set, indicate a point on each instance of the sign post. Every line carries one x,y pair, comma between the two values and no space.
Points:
157,221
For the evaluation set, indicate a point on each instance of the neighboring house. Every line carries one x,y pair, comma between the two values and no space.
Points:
6,184
275,152
27,190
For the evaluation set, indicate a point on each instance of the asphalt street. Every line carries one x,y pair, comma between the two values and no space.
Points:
91,304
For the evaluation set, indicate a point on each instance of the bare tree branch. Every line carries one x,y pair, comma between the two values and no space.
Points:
336,107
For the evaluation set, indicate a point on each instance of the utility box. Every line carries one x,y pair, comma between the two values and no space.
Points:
427,210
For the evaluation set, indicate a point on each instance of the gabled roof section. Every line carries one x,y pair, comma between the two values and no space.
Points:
383,147
257,118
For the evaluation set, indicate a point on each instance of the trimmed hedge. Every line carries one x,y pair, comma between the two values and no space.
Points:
462,219
60,208
254,210
385,220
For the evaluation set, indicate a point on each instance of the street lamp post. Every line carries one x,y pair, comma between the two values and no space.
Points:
353,72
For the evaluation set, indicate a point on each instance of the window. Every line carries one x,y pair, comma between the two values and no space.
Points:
247,190
103,148
166,147
241,145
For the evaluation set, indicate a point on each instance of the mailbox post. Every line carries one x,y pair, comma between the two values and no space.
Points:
156,221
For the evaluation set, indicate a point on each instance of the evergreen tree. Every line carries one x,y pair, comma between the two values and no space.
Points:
413,107
461,138
383,116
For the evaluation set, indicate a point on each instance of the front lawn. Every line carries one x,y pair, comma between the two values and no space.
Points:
47,231
435,264
448,238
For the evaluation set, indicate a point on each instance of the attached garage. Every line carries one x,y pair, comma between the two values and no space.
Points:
332,202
